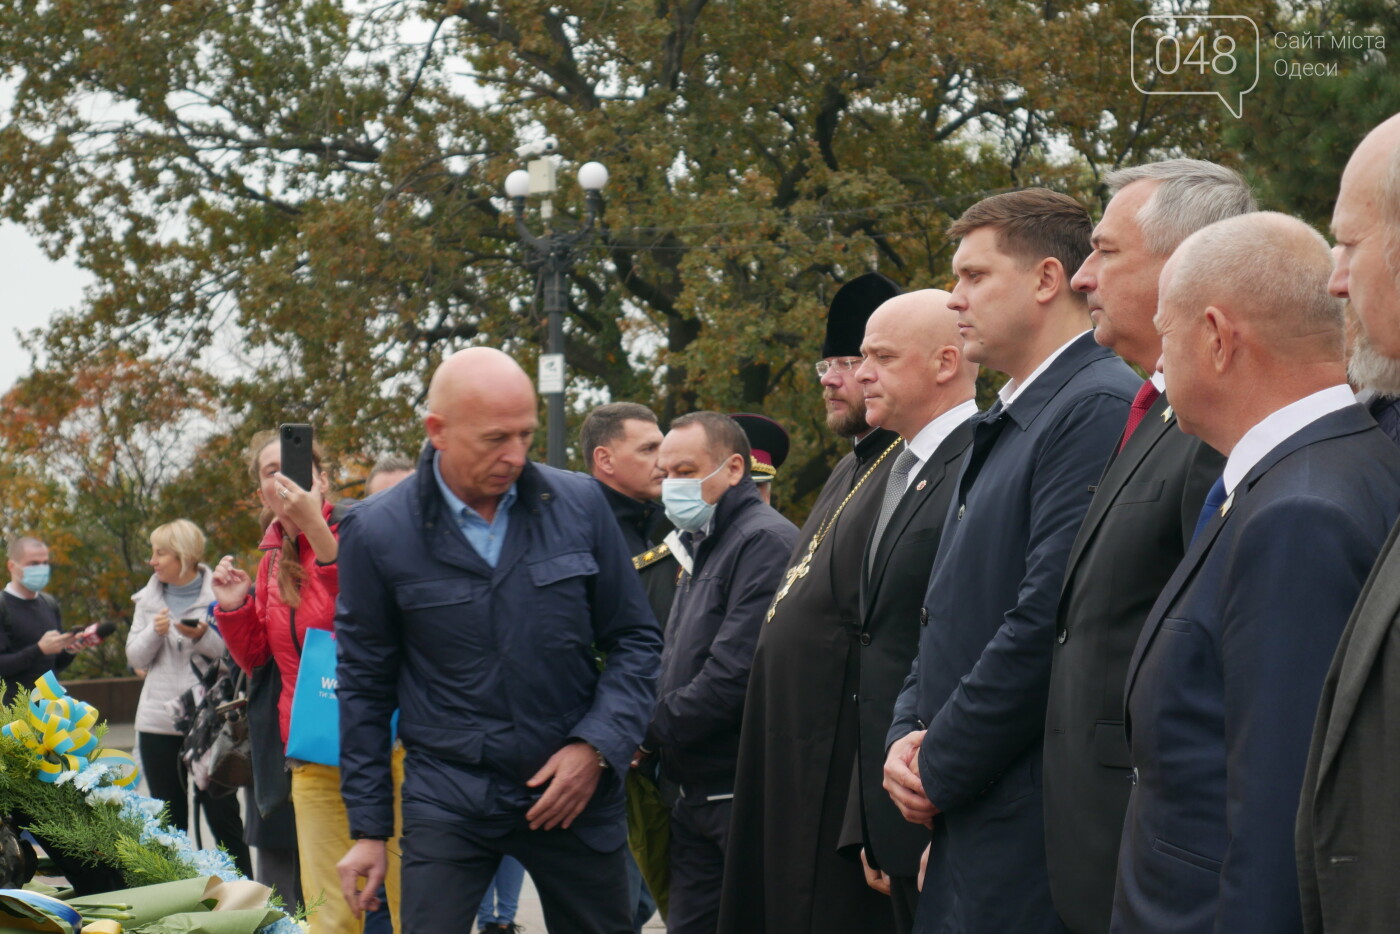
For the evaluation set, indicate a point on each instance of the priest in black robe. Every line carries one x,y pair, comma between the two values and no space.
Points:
798,746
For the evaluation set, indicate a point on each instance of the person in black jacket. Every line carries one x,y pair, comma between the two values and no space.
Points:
736,549
30,620
619,442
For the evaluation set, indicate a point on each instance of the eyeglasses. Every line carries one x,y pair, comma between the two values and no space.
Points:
839,364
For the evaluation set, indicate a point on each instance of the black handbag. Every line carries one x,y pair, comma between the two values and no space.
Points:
272,780
272,783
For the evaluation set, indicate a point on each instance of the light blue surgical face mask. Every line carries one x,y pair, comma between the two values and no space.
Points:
685,506
35,577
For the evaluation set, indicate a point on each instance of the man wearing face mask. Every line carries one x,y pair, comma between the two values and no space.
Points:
735,550
32,630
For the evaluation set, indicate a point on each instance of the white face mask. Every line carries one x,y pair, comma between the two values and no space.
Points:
685,506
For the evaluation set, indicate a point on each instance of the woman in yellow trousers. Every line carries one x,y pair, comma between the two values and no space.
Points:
297,583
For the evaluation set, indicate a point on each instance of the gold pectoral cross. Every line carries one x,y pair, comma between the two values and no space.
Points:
794,574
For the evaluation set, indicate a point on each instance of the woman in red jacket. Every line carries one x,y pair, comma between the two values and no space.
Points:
297,583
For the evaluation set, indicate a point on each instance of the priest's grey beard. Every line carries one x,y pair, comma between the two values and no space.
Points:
1368,369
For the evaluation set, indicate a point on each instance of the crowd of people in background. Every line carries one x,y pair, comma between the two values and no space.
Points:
1111,655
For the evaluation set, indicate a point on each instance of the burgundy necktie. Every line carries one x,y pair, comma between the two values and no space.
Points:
1146,396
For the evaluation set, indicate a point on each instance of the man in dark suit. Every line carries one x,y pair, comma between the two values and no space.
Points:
917,382
1139,523
783,873
979,681
1224,682
1348,835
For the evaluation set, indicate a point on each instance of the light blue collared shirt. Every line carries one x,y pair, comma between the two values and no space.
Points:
486,537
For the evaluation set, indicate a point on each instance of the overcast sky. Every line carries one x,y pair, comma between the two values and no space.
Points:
34,289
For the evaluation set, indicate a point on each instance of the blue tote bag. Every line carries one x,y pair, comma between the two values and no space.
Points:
314,733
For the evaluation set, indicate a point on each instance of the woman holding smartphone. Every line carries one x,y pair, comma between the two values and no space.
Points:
168,629
297,584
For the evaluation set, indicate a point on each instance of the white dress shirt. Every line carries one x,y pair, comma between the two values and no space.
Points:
936,432
1279,427
1012,389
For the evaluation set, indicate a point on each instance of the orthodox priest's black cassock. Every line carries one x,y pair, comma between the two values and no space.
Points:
783,872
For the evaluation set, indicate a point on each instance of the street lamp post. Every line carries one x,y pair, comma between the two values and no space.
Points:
554,254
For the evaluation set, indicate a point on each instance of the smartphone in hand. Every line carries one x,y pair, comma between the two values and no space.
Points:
296,454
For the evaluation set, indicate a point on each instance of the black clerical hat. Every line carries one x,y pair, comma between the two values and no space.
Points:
851,307
769,443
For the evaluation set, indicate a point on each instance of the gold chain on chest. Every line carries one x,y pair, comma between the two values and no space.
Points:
800,569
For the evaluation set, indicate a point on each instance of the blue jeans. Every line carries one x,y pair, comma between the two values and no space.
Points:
503,893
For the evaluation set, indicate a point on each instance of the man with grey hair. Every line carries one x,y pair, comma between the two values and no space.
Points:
390,470
1348,834
1223,685
1131,539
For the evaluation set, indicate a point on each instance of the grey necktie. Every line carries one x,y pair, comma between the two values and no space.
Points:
894,489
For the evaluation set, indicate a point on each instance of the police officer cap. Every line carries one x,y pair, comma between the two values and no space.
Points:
851,307
769,443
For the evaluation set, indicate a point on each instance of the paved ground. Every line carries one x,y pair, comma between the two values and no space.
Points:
530,918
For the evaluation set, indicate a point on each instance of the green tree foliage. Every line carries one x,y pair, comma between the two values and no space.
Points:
1298,132
291,208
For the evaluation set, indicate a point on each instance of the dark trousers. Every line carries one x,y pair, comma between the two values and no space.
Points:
447,867
904,897
637,894
160,762
699,837
275,838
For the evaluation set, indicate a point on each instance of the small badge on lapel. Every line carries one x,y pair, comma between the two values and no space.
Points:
922,484
1167,414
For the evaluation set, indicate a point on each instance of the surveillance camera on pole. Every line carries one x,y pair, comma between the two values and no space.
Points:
536,149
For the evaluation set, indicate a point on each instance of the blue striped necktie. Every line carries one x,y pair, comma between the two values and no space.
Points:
1214,500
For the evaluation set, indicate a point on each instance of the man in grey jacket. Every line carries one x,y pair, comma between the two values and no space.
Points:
737,547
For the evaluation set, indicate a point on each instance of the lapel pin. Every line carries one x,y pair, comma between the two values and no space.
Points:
1167,414
922,484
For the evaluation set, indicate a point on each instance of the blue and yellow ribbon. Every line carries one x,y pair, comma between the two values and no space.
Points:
59,733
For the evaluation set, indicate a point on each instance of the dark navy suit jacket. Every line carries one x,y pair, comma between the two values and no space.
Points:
982,672
1224,684
1386,411
492,669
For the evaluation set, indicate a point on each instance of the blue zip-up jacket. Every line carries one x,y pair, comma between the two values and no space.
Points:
493,670
711,636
